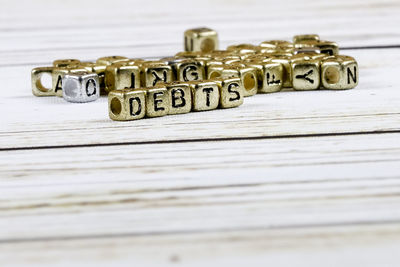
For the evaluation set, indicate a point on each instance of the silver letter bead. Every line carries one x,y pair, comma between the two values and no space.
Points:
81,87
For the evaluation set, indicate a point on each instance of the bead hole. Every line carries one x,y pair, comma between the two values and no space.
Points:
115,106
215,75
332,75
249,82
44,82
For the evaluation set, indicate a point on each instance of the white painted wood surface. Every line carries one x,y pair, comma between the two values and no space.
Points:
287,179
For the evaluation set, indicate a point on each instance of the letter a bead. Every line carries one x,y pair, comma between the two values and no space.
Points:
127,104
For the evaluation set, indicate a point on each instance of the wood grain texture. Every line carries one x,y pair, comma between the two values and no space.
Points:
288,179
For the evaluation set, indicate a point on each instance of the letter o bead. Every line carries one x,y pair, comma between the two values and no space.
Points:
81,87
126,104
339,72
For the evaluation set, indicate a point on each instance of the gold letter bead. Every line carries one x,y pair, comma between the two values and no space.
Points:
155,72
59,73
38,89
122,75
180,98
66,62
231,92
305,73
157,101
205,95
127,104
339,72
201,39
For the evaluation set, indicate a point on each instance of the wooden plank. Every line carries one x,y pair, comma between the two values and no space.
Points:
276,200
53,122
366,245
285,183
156,30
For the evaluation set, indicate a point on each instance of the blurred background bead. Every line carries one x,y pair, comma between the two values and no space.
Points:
126,104
110,60
276,45
305,37
122,75
339,72
272,80
189,70
66,62
38,89
155,72
201,39
287,69
80,87
247,75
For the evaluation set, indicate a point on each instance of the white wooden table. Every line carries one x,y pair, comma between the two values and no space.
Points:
287,179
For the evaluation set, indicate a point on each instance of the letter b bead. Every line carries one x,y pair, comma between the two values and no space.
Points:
81,87
180,98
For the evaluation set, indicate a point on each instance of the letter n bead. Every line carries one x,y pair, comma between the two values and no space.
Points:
126,104
180,98
205,95
339,72
231,92
81,87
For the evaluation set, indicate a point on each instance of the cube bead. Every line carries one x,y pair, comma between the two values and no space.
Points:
305,73
127,104
201,39
205,95
180,98
81,87
231,92
339,72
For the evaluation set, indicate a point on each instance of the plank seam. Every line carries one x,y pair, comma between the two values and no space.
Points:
199,140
